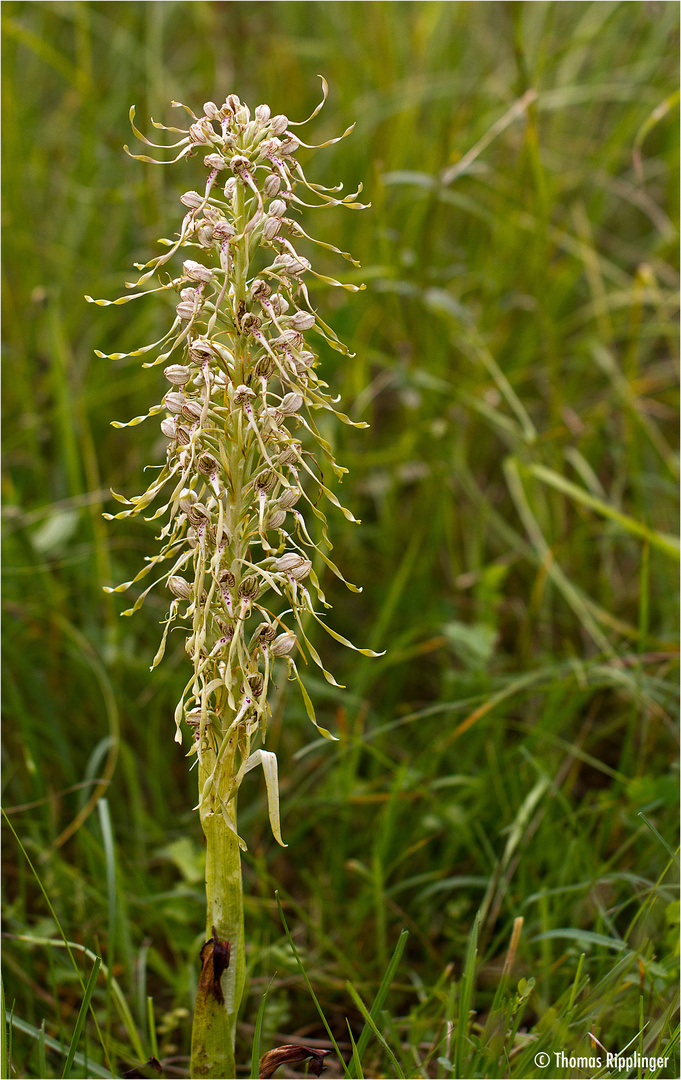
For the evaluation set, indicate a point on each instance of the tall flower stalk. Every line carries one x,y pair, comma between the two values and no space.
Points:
236,551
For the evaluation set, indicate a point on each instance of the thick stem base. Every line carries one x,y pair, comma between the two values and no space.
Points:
221,984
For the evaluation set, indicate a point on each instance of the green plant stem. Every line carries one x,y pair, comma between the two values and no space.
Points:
214,1022
215,1014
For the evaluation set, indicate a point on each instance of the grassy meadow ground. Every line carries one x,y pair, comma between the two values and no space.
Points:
513,755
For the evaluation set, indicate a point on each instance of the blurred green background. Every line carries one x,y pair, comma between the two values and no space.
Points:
516,357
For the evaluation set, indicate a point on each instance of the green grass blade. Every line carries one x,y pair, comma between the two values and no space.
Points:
382,992
372,1025
309,986
668,544
570,933
658,113
110,861
42,1061
674,854
465,999
47,900
82,1014
153,1041
571,593
117,992
575,984
257,1033
25,1028
6,1063
355,1060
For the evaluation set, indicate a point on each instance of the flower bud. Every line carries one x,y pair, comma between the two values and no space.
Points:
196,271
278,124
187,499
264,367
249,588
283,645
191,411
260,290
169,427
215,161
243,115
290,404
211,110
250,323
269,148
223,231
290,264
302,320
177,374
279,304
270,228
253,688
288,498
294,565
239,164
243,394
207,464
264,632
185,310
290,339
198,514
179,587
197,134
230,187
192,198
290,456
265,481
190,295
289,146
174,401
232,103
276,519
263,113
200,350
288,561
271,185
277,208
216,539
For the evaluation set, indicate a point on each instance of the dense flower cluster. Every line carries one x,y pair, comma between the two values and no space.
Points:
237,417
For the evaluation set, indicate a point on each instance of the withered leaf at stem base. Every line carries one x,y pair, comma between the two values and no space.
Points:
214,961
286,1055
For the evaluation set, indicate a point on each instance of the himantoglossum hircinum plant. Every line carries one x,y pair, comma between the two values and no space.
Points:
239,480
